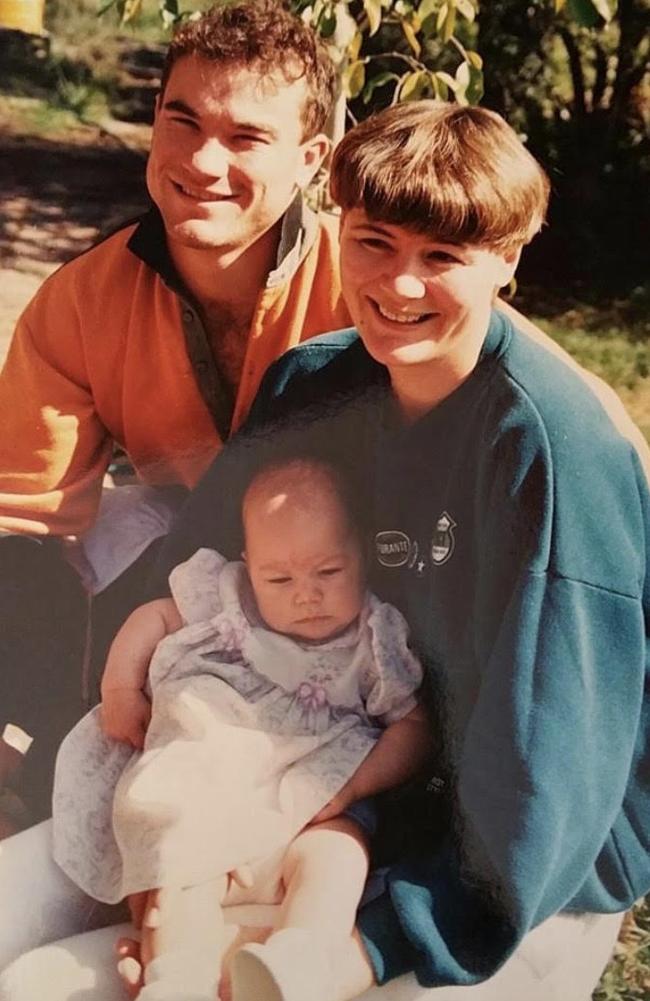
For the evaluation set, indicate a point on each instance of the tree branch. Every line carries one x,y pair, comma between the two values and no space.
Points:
577,74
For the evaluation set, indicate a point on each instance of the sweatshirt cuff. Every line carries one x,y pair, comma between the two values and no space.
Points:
389,951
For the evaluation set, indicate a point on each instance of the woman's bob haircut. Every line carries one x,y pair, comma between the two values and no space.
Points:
459,174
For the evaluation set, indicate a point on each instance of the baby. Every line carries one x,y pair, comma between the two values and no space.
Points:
282,697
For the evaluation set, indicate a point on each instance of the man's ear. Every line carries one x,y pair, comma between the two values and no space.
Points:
314,152
243,556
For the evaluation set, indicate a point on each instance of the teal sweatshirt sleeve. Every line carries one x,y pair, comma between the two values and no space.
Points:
544,760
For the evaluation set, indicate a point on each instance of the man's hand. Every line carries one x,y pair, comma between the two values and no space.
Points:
125,715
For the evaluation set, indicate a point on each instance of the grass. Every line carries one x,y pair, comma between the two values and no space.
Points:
612,340
627,978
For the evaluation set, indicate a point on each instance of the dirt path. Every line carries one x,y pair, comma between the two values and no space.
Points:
56,199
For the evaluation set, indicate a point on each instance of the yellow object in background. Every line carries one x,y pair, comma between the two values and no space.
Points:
24,15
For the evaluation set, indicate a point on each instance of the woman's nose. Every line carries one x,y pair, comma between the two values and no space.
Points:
408,285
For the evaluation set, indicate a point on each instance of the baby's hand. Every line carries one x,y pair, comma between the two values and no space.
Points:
125,715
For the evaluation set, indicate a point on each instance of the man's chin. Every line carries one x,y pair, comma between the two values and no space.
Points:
200,237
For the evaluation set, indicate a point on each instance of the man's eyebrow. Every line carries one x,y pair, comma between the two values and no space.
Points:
181,106
266,130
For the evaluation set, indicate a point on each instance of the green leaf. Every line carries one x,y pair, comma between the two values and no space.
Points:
373,13
169,12
131,10
411,38
446,79
354,48
442,17
474,59
427,8
584,12
440,85
377,81
327,24
467,9
412,85
558,5
474,91
354,77
450,23
606,8
462,82
462,74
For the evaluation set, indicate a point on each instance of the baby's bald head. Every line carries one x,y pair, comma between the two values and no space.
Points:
302,549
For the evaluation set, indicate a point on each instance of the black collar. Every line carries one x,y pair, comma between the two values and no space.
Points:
149,242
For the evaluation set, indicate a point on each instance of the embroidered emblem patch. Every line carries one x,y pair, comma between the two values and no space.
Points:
443,541
395,549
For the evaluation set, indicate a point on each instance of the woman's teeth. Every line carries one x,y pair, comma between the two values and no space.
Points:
401,317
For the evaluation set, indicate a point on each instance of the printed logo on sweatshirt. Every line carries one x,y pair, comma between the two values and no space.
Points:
395,549
443,541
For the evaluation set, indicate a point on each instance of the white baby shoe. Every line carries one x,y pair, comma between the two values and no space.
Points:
291,966
183,975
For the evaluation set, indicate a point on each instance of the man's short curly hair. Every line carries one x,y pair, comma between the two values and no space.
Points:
263,34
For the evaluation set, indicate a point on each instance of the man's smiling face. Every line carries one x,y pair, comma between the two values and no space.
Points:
228,153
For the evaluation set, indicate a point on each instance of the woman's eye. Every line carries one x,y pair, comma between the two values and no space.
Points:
443,257
371,243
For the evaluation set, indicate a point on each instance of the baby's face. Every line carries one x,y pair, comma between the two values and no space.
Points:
305,568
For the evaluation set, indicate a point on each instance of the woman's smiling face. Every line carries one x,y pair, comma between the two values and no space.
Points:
416,301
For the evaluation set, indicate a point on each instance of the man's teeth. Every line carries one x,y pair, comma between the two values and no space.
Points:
400,317
201,196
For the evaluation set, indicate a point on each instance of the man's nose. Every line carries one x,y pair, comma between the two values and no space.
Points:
211,158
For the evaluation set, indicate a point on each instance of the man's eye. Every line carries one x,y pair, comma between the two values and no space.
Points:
178,120
246,139
278,580
329,571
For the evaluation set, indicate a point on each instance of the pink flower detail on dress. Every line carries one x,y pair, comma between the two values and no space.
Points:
312,696
232,630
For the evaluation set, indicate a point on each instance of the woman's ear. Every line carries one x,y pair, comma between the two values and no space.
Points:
510,261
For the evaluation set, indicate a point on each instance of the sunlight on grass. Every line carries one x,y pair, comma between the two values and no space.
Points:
618,354
627,978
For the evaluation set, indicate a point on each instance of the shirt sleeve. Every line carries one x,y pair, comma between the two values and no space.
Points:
544,759
394,673
195,586
53,449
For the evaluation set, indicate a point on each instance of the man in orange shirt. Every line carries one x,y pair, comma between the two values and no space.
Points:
157,339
